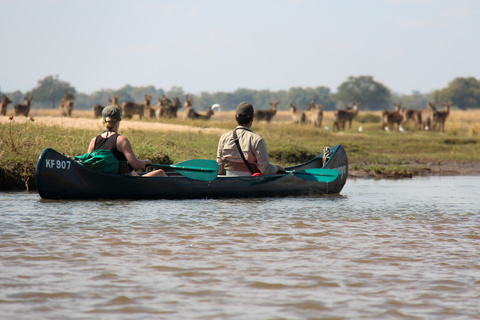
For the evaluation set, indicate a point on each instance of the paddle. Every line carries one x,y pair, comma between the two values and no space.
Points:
320,175
198,169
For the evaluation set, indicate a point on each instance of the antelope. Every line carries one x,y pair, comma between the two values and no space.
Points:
316,115
97,109
66,104
148,111
393,117
267,115
297,116
174,107
342,116
412,114
426,115
166,108
188,114
3,106
439,117
205,116
23,109
129,109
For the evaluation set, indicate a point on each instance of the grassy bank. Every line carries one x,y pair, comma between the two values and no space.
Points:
370,150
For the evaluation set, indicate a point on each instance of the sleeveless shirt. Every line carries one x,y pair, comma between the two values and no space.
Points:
110,143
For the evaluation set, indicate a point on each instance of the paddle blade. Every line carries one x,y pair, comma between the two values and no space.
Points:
320,175
199,169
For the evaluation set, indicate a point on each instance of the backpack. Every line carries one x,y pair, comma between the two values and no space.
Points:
100,160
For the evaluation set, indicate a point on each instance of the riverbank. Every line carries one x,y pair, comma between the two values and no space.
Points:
372,152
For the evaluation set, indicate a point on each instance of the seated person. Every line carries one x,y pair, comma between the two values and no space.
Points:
119,145
252,145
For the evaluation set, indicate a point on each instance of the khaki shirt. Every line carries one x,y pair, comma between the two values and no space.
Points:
254,150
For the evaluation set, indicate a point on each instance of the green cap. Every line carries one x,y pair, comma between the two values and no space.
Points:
111,113
245,110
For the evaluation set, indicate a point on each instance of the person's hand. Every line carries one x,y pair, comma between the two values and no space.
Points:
146,162
280,169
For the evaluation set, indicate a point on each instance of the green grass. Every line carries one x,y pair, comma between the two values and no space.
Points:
374,150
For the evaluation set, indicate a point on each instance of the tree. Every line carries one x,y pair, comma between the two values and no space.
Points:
461,92
416,100
370,94
51,90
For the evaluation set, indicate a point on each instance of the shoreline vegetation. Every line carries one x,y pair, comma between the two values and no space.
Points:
372,151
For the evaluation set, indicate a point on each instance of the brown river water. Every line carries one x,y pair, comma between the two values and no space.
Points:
383,249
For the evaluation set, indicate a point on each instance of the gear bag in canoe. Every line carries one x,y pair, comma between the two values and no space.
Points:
100,160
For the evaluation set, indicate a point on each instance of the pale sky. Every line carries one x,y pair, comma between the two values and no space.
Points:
222,45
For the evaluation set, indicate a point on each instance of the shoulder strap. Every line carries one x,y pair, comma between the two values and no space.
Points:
235,138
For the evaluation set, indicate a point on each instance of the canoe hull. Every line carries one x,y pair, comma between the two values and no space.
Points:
60,177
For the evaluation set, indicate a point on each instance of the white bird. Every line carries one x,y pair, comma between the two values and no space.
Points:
400,128
216,106
327,128
387,129
360,129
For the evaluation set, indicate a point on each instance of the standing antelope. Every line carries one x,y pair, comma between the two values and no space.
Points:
316,115
66,104
166,108
426,115
23,109
393,117
5,102
148,111
342,116
97,108
297,116
439,117
188,106
412,114
267,115
174,106
129,109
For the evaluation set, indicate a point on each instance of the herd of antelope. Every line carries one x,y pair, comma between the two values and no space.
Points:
165,108
65,106
429,118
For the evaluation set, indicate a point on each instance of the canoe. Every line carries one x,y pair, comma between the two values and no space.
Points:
60,177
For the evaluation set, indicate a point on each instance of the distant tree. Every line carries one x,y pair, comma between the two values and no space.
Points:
50,91
138,93
461,92
124,93
301,97
416,100
16,97
365,90
175,92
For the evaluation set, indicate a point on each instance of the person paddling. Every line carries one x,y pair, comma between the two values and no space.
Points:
120,145
242,152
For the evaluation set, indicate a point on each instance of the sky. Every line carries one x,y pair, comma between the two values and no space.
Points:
222,45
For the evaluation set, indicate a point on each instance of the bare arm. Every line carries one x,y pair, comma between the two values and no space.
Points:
221,167
124,146
91,146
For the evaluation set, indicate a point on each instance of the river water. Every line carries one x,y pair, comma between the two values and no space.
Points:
383,249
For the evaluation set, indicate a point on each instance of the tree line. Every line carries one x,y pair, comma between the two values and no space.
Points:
462,93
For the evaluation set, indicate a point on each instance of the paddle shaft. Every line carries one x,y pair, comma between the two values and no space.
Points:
175,167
